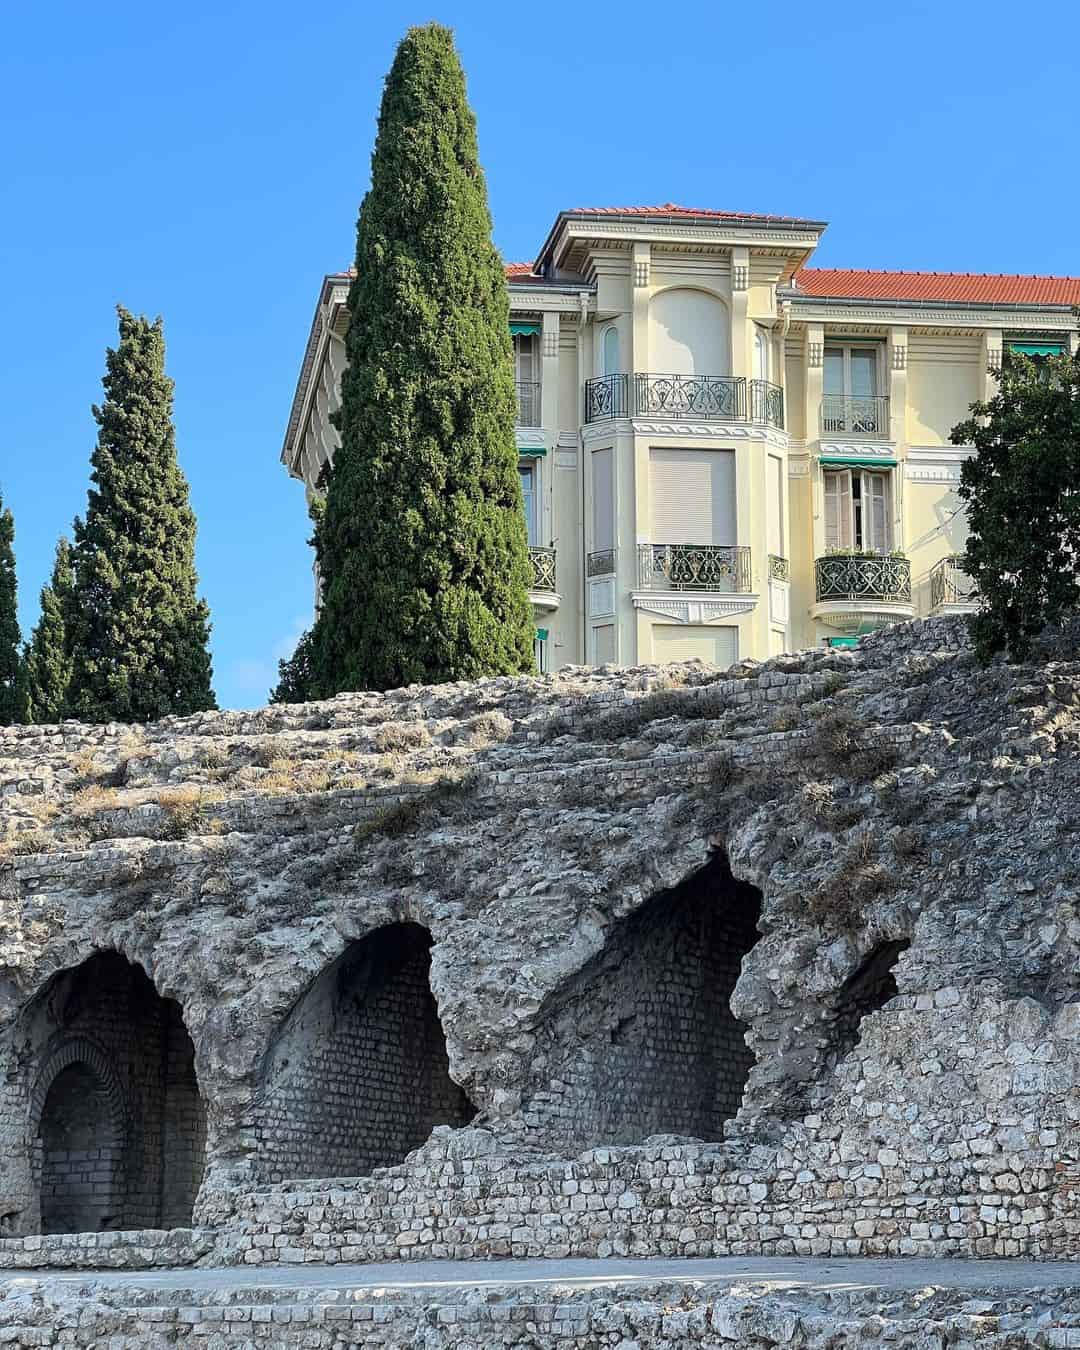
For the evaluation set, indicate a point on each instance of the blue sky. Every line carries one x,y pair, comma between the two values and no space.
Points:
205,161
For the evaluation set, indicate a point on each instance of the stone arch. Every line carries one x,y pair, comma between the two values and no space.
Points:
358,1074
870,986
78,1128
689,332
642,1039
116,1127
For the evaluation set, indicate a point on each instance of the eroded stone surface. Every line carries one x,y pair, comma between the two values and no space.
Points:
893,810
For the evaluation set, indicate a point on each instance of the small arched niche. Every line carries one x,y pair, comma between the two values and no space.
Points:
866,990
358,1075
689,333
117,1128
642,1039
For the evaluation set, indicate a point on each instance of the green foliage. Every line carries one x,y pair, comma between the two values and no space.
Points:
294,674
48,654
140,634
423,550
12,683
1022,492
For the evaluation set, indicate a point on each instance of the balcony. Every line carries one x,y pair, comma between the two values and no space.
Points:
952,591
528,403
694,567
600,563
697,398
854,415
542,590
858,592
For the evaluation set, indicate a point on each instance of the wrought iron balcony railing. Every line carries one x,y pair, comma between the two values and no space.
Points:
695,397
528,403
855,415
694,567
699,398
766,403
543,568
862,576
601,563
779,568
950,584
606,397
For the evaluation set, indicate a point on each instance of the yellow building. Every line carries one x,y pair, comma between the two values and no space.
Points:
723,451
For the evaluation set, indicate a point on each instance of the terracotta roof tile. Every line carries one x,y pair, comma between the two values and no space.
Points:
671,209
976,288
520,269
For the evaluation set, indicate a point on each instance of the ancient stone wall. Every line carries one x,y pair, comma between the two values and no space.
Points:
359,1076
821,914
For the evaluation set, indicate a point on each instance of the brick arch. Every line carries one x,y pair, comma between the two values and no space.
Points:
80,1190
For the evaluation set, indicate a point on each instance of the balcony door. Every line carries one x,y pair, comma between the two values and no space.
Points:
692,496
530,499
857,514
850,387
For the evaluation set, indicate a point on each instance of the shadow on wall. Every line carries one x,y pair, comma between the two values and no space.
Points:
865,991
358,1075
117,1128
642,1039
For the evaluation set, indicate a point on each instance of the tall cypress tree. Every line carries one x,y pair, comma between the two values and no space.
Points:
423,548
140,634
12,686
48,654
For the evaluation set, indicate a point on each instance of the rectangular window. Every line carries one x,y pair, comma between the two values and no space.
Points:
857,511
851,372
692,496
603,500
529,494
526,358
603,644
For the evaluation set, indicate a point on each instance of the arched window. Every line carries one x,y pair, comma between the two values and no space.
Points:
610,350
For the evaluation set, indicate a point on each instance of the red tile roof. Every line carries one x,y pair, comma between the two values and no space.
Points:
520,270
974,288
671,209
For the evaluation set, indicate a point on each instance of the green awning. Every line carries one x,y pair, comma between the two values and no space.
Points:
850,461
523,329
541,634
844,642
532,451
1037,348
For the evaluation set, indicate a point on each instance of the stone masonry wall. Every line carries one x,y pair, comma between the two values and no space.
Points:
642,1040
911,1005
359,1076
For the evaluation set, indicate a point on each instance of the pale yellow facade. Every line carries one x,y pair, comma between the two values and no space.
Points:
718,461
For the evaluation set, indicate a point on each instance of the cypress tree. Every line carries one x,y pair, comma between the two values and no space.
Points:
48,654
140,635
423,548
12,685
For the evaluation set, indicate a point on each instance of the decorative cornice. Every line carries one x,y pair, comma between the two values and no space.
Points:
799,465
531,438
725,431
936,463
705,608
815,310
558,302
858,616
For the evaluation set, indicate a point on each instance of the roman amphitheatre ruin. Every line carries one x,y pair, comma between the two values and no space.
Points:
777,963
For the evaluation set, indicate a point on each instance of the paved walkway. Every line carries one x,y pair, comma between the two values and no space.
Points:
795,1275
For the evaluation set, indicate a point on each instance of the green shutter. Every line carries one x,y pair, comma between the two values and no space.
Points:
541,634
523,329
844,642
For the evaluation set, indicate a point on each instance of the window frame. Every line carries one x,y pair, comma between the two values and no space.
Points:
851,507
846,347
531,499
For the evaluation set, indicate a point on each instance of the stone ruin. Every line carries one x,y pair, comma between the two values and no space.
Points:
776,960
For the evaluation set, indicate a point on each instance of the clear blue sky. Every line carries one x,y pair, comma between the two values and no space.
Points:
205,162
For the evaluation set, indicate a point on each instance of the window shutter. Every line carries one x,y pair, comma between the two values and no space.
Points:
603,500
692,496
875,499
838,509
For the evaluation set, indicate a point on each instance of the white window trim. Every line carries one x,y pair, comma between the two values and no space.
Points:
878,349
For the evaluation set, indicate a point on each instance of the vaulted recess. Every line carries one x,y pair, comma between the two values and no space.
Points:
642,1040
358,1075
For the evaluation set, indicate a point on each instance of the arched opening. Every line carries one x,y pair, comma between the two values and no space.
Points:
609,351
865,991
358,1075
81,1177
117,1125
689,333
642,1040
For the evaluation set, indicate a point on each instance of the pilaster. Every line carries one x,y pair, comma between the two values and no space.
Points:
640,273
742,361
993,342
896,358
815,362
